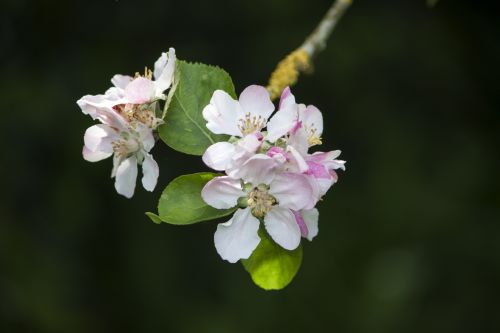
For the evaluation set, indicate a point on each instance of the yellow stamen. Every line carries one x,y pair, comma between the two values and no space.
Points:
260,201
251,124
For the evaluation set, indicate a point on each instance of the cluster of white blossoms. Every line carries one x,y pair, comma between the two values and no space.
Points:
270,174
127,112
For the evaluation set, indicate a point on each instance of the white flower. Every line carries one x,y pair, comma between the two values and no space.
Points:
274,203
301,127
129,147
271,175
127,112
134,98
291,116
248,115
142,88
244,120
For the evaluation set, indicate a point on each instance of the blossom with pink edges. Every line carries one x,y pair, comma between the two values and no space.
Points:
127,112
270,174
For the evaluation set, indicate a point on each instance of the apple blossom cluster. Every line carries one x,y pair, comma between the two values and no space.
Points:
128,113
270,175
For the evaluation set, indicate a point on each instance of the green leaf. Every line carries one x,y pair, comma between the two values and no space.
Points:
271,266
155,218
185,129
181,202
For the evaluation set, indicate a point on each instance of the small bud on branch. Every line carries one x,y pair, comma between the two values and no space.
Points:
287,71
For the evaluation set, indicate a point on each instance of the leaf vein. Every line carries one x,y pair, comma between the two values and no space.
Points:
193,121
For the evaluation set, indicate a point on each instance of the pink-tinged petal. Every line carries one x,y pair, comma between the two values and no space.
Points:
335,164
222,114
222,192
237,238
126,176
258,169
275,151
256,101
286,98
282,122
218,155
296,127
311,117
300,222
164,71
278,154
299,141
311,217
99,107
324,185
321,157
334,175
328,159
294,191
140,90
114,94
150,172
251,143
98,138
121,81
297,161
281,226
244,150
88,104
94,156
317,170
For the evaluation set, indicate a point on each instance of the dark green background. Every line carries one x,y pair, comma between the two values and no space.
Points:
409,238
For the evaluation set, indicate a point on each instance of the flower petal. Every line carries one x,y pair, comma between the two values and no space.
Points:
294,191
222,114
98,138
318,170
146,136
100,107
150,173
164,71
299,141
237,238
328,159
311,217
281,225
126,176
121,81
297,161
218,155
256,101
286,98
222,192
94,156
282,122
324,184
258,169
300,222
140,90
311,117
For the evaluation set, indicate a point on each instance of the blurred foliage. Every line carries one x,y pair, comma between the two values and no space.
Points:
409,238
